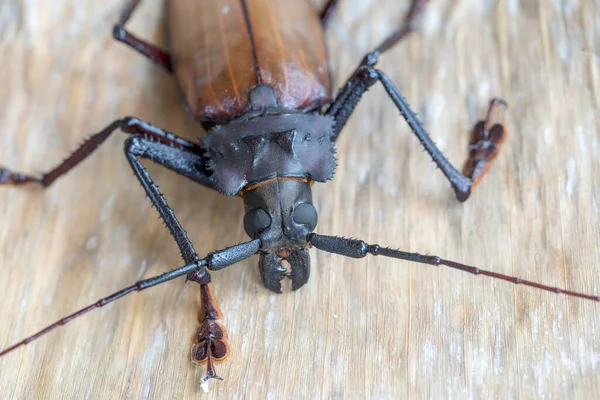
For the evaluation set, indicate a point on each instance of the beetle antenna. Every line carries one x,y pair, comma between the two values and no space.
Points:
356,248
140,285
214,261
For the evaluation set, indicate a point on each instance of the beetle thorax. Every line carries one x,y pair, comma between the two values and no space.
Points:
269,143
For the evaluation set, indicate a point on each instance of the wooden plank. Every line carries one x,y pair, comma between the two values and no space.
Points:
372,327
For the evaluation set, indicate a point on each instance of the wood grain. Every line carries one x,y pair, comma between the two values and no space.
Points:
361,328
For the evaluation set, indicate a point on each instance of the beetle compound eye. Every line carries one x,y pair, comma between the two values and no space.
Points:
255,221
305,214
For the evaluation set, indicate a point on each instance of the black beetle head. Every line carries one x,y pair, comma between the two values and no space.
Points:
280,213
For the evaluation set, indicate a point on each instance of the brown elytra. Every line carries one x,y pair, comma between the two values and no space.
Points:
221,49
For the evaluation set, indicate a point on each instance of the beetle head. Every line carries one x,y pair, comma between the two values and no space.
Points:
280,213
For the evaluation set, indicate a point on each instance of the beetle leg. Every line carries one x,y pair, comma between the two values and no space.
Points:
211,338
137,146
155,54
186,150
350,95
484,144
416,9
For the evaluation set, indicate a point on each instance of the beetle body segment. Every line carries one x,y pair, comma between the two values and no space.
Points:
254,148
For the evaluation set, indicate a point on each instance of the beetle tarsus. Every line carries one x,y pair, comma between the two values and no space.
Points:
210,343
484,144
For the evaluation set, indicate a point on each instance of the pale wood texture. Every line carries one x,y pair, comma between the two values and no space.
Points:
372,327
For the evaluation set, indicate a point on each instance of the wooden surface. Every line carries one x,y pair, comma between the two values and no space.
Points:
372,327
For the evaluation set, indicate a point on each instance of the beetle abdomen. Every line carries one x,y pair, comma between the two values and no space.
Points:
238,44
